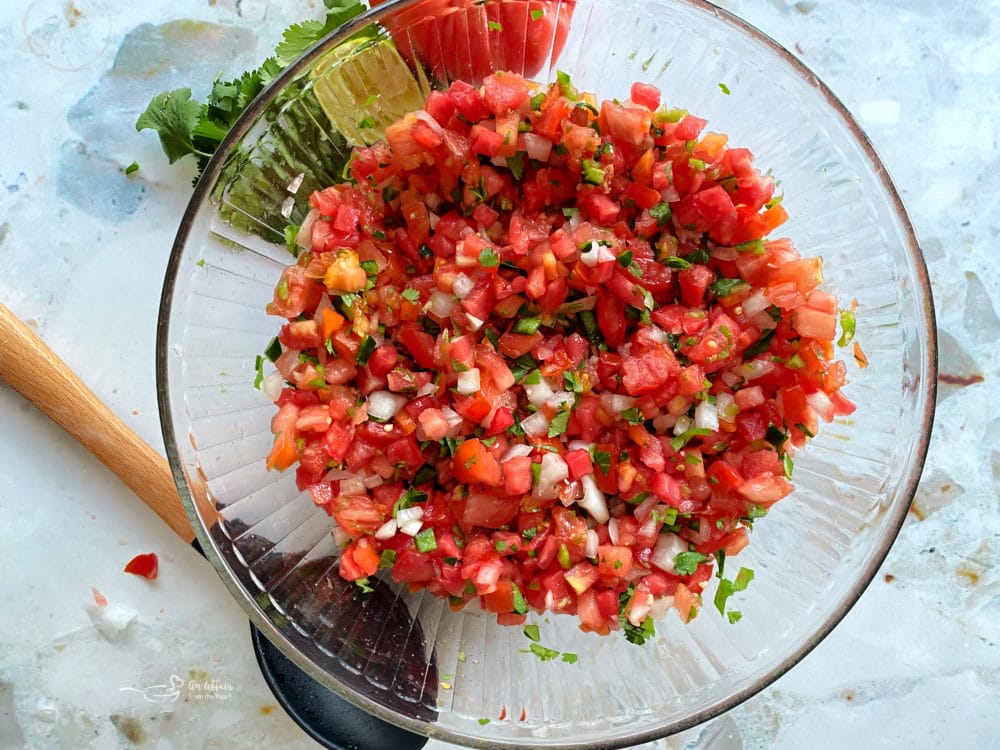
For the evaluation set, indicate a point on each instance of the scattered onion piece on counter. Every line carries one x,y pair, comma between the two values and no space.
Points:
146,565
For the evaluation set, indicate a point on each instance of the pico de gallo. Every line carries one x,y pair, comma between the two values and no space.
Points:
540,352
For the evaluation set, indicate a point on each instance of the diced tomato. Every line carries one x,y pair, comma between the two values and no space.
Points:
516,320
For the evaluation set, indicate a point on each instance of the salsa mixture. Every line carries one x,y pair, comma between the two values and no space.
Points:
539,352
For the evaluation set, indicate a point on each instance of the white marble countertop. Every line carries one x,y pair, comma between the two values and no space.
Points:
82,253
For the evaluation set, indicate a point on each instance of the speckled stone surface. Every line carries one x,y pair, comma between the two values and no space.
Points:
82,253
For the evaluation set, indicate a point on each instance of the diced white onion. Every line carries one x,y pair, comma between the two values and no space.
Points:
518,450
593,542
452,417
756,368
286,206
613,530
340,537
668,546
726,407
557,399
661,605
462,286
427,389
353,485
374,481
409,520
337,475
536,425
296,183
538,393
755,303
763,321
598,252
468,381
304,238
706,416
576,445
554,470
593,500
683,424
474,323
385,404
440,304
658,335
387,530
723,252
271,387
620,402
537,146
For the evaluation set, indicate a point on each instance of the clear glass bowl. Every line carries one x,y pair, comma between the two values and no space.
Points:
408,658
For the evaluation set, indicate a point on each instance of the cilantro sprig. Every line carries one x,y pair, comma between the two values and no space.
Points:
190,127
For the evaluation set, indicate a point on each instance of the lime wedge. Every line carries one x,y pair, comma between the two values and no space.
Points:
363,85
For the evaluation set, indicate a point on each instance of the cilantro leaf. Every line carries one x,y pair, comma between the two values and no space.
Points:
685,563
559,423
531,632
174,117
186,126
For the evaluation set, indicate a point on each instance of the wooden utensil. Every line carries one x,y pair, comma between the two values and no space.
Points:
34,371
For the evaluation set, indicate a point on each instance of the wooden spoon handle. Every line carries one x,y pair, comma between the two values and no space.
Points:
34,370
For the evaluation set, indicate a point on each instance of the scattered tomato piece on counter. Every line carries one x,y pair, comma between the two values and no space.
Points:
146,565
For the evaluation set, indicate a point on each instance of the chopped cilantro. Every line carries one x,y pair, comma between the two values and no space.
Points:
724,89
625,259
489,258
188,127
569,657
679,441
515,164
484,721
572,382
786,461
520,605
734,616
633,415
362,583
533,378
542,652
387,558
365,351
410,294
676,263
602,459
559,422
133,167
723,287
685,563
661,212
367,123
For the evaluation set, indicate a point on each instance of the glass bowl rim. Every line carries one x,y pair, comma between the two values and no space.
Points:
897,516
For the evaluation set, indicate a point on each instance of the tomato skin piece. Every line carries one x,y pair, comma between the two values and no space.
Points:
145,565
